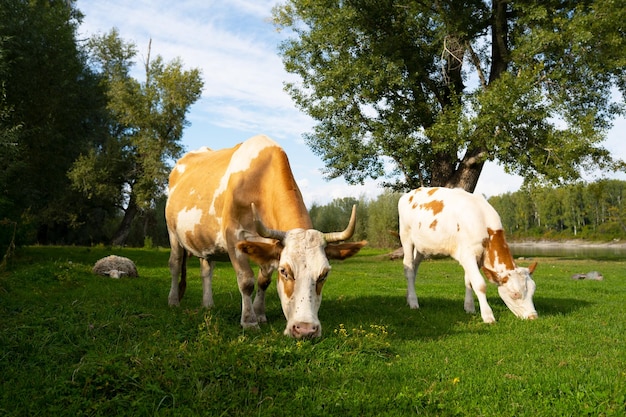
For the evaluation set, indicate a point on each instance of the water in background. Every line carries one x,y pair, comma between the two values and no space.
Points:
569,250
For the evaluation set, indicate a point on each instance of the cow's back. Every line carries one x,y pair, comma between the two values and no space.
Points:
444,221
210,193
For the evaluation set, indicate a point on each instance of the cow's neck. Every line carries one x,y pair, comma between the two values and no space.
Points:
286,209
497,258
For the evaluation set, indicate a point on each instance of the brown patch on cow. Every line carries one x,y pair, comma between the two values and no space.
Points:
458,228
494,277
499,248
410,199
414,206
432,191
496,253
433,225
320,281
285,275
435,205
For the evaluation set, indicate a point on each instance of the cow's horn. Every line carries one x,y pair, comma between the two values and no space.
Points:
346,234
264,231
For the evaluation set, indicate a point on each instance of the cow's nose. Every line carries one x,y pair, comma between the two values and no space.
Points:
302,329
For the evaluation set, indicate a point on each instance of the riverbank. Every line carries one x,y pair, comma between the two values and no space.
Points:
571,243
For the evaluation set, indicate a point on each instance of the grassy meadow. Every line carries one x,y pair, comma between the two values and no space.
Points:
73,343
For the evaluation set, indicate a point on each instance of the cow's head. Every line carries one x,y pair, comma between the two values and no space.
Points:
516,288
301,257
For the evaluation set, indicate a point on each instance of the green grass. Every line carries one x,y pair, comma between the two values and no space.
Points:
77,344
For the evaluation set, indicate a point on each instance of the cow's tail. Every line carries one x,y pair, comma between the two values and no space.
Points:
182,284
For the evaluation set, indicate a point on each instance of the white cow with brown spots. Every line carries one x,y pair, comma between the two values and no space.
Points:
453,222
214,209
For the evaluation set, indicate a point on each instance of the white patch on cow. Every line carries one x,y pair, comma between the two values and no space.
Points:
186,222
180,168
240,162
202,149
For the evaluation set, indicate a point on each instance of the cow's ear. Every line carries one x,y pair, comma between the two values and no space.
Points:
491,275
532,267
261,252
343,250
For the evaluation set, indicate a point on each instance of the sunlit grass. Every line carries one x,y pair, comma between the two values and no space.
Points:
78,344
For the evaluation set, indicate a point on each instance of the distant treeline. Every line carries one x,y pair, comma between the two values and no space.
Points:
593,211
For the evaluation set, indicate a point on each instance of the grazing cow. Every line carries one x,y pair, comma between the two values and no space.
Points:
214,209
453,222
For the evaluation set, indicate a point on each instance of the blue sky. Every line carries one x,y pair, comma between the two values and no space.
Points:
235,46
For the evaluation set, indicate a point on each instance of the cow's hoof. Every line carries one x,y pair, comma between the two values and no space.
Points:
252,326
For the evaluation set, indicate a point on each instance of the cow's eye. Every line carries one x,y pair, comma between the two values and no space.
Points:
323,276
285,272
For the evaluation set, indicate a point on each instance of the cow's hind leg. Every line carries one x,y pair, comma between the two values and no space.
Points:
411,263
469,297
177,258
263,281
206,270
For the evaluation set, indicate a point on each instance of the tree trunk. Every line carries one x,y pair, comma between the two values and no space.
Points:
468,172
119,239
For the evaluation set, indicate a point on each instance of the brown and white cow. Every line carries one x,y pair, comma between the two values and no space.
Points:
453,222
211,213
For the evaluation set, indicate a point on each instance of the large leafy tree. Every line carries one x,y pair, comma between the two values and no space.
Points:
128,166
49,101
425,92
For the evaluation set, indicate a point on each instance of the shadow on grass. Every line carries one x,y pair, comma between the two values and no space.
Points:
551,306
437,317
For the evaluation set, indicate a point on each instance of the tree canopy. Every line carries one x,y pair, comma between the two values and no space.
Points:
423,93
48,95
129,166
84,146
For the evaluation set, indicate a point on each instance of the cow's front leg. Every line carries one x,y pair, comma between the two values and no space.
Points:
206,270
263,281
476,281
485,310
245,281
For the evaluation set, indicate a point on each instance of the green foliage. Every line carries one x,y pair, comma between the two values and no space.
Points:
436,89
595,211
49,103
382,227
82,143
129,168
335,215
79,344
377,220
